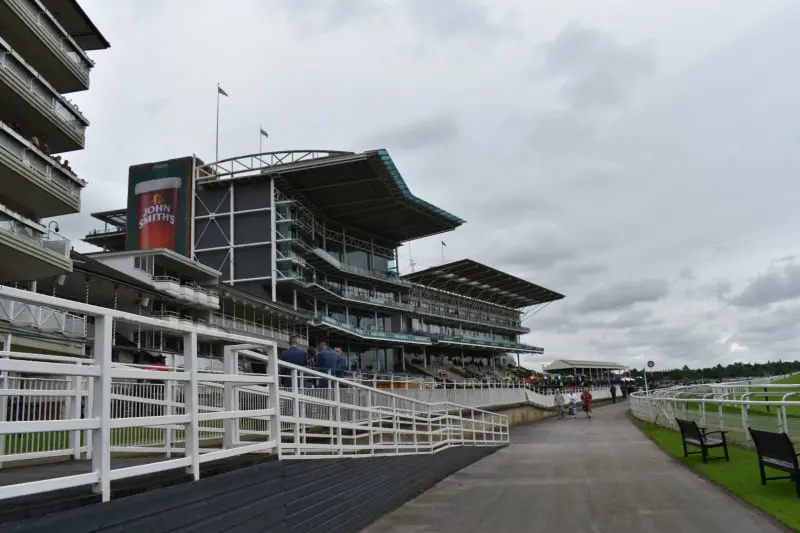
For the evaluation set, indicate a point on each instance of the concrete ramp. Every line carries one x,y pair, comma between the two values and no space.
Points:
598,475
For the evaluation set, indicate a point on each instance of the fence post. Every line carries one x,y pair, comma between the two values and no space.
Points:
230,399
337,397
192,402
169,410
296,409
101,406
4,399
75,406
274,400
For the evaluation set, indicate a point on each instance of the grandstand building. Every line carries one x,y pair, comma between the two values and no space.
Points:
43,57
313,236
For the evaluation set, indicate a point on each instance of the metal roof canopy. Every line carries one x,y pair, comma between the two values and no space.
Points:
114,217
77,24
569,364
475,280
364,191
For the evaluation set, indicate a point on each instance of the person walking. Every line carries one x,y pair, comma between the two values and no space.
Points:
558,401
613,393
586,401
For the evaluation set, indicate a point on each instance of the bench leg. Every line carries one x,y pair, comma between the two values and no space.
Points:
705,453
797,485
685,449
725,447
763,474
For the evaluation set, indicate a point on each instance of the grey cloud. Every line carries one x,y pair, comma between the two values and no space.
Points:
327,15
455,18
686,274
425,133
581,270
669,345
597,69
623,295
781,283
769,328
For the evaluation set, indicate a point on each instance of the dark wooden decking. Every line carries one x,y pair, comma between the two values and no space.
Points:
16,509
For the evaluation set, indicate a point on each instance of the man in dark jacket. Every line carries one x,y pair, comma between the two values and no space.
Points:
294,355
341,363
326,362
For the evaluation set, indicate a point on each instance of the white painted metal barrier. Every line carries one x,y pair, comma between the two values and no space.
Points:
733,407
180,418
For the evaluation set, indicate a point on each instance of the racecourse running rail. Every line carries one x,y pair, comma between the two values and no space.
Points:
91,408
732,406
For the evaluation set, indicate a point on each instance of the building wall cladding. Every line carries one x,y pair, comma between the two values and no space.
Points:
330,495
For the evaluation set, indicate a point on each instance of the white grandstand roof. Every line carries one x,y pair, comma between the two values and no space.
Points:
570,364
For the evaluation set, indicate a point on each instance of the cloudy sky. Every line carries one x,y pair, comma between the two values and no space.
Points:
633,155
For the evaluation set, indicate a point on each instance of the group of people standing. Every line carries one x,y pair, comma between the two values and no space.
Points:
324,359
570,401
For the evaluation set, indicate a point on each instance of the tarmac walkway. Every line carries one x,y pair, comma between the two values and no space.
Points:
582,476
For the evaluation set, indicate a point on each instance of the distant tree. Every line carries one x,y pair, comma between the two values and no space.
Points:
719,372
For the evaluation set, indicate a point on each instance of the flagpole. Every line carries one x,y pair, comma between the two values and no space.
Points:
442,252
260,137
216,150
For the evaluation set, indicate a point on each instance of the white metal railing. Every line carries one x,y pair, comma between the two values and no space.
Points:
251,164
733,407
91,408
33,232
42,318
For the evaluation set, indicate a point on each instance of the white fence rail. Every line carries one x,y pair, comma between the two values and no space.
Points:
180,418
733,407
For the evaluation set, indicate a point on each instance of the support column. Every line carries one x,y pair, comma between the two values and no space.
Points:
273,260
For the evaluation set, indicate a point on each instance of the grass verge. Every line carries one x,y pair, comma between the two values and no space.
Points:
740,477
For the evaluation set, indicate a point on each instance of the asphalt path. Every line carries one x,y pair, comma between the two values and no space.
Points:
587,475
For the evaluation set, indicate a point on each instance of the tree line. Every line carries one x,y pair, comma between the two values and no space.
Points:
733,370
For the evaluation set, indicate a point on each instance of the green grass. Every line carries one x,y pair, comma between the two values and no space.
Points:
791,380
740,476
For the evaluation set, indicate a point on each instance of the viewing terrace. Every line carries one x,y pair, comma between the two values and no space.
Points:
37,34
34,183
40,110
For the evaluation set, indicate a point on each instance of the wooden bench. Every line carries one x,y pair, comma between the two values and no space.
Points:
692,435
775,450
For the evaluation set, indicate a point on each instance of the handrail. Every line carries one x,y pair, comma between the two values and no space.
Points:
105,407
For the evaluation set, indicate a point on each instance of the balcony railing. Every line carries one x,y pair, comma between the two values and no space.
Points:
319,252
43,319
247,326
174,287
47,239
55,35
460,315
41,164
360,298
28,78
494,342
373,333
